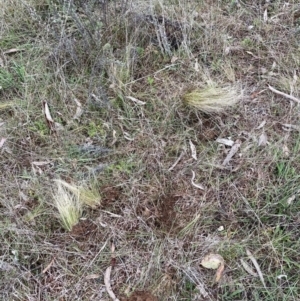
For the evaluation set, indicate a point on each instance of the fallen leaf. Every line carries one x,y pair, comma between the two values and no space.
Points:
2,141
285,151
49,120
174,59
78,113
291,199
12,50
265,15
248,268
289,127
257,267
114,133
212,261
47,112
79,110
40,163
215,262
232,49
263,140
196,67
193,150
221,228
137,101
232,152
194,184
262,124
127,136
227,142
92,276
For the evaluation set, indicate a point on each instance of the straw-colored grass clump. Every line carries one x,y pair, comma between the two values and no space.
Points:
212,99
68,206
70,199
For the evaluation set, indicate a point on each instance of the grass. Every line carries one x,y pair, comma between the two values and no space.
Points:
68,205
130,91
212,99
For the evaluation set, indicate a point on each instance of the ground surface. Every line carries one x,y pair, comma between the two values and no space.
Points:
114,76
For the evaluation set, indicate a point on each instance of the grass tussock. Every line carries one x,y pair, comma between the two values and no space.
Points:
87,196
68,205
212,99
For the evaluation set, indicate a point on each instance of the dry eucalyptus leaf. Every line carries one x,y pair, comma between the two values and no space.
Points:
291,199
248,268
194,184
262,124
257,267
227,142
2,141
196,67
232,152
137,101
193,150
12,50
174,59
215,262
212,261
263,140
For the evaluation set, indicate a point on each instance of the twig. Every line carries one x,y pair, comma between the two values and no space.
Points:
284,94
255,263
107,276
176,162
48,266
194,184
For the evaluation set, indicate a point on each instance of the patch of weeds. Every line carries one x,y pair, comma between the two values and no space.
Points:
6,79
123,166
94,129
188,290
40,127
230,293
248,43
285,171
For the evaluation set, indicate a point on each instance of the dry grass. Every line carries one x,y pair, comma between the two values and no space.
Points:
212,99
68,205
114,75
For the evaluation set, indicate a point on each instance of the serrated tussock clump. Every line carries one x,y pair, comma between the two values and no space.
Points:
212,99
88,196
68,205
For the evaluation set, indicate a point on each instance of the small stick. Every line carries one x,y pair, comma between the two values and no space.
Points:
194,184
176,162
48,266
107,276
284,94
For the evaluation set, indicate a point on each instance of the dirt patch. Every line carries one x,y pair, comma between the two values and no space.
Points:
166,212
161,213
110,195
141,296
83,230
209,131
